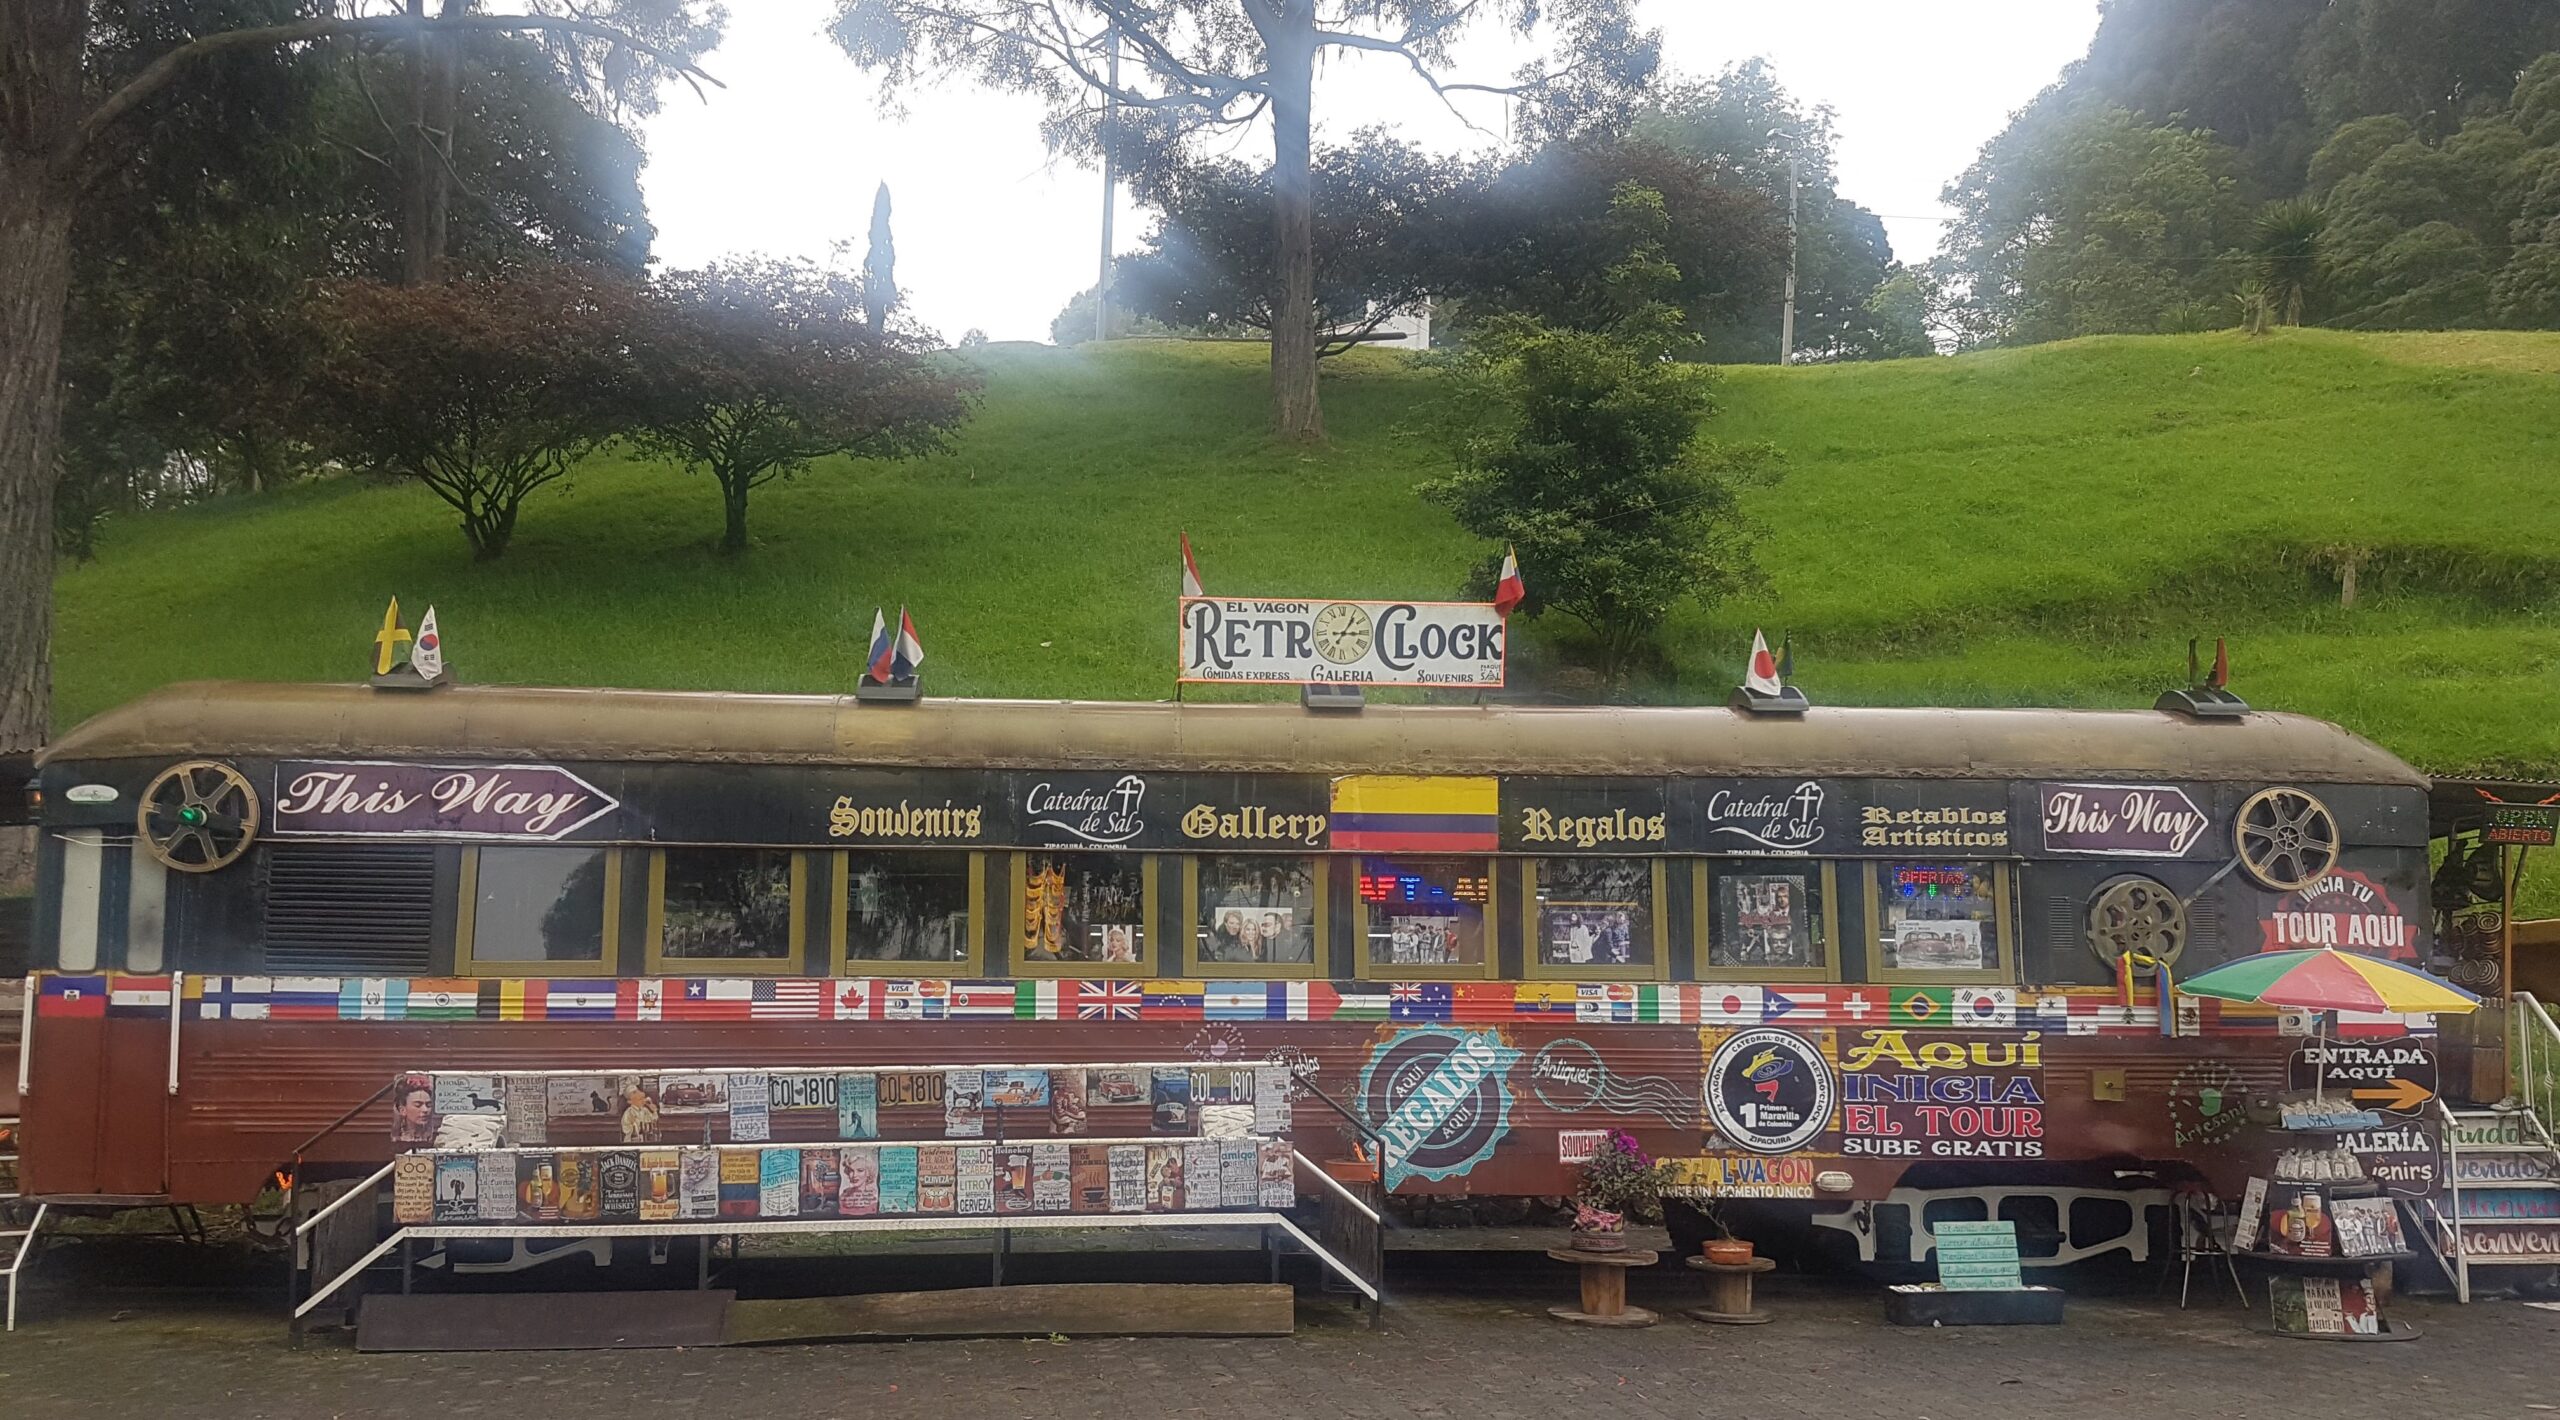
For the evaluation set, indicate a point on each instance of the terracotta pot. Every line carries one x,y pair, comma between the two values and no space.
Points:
1598,1230
1729,1252
1351,1170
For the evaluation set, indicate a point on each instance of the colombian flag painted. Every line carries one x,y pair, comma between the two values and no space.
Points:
1393,813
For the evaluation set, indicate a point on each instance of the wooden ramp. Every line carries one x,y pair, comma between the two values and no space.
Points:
1046,1309
540,1321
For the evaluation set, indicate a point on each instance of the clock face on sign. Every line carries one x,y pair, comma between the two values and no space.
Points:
1342,633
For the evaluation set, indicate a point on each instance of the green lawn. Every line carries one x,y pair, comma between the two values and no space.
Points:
2040,526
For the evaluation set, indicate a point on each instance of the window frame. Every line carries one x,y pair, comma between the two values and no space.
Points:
1150,917
1313,970
659,963
1703,919
466,920
1363,969
1533,967
840,962
2003,919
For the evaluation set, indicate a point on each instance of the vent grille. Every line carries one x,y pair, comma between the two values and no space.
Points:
359,908
2204,932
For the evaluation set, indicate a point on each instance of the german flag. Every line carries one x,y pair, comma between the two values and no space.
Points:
1394,813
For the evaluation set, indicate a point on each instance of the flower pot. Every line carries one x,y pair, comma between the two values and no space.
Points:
1598,1230
1729,1252
1349,1171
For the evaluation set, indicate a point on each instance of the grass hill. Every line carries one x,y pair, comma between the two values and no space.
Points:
2039,526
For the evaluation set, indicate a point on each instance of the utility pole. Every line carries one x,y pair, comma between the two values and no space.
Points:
1787,318
1110,184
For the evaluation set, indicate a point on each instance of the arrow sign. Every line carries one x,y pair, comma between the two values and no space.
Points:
2395,1074
2399,1096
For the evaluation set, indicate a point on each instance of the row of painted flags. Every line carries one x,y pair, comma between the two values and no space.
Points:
288,998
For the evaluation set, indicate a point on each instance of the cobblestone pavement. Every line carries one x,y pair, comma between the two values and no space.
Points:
1467,1339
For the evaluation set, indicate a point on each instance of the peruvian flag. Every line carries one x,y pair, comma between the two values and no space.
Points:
1762,678
1190,570
1507,589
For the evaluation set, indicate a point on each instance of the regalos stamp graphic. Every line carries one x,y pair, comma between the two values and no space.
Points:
1440,1099
1769,1091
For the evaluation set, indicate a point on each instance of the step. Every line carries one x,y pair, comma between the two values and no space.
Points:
2514,1183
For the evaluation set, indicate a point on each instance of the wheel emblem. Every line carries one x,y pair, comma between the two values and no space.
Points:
2138,915
2286,838
198,816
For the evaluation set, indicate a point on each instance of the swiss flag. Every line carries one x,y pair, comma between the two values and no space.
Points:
1508,590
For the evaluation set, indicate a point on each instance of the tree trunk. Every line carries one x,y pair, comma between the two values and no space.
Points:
733,497
1295,411
39,108
426,149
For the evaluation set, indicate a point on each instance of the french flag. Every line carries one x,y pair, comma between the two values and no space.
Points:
1508,590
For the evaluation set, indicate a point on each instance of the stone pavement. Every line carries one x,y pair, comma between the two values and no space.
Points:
1467,1339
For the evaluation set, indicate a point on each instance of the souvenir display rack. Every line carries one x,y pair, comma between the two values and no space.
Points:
2328,1291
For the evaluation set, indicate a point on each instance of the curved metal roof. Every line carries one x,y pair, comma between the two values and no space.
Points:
507,722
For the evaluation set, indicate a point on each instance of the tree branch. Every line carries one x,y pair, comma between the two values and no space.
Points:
163,71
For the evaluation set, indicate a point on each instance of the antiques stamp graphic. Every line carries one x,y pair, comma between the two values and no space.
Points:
1569,1076
1440,1100
1769,1091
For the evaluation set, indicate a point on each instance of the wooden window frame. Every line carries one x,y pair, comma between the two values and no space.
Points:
1363,969
1150,915
788,964
466,917
2004,923
1314,970
1533,968
1703,918
841,962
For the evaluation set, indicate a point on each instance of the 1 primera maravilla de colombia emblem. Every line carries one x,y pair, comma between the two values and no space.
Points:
1769,1091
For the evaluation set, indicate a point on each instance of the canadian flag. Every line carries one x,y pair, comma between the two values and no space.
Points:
1190,570
426,654
1762,677
1507,589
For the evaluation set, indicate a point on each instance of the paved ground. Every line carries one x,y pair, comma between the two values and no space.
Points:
1467,1338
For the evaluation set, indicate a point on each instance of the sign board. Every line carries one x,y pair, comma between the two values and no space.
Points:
2395,1075
2401,1156
1745,1176
1252,640
368,798
2119,820
2503,1240
2525,825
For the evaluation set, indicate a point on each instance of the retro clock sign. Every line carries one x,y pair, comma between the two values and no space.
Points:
1279,642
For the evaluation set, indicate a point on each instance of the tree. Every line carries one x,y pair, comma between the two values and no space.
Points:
1193,64
484,390
880,266
1582,450
67,114
753,370
2288,251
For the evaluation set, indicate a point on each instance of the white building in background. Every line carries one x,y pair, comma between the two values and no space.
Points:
1407,329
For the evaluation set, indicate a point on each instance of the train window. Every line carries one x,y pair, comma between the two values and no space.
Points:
1427,918
726,909
1769,919
537,911
1256,916
1939,921
907,907
1084,914
1599,918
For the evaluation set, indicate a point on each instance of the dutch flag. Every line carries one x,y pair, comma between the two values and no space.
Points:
894,658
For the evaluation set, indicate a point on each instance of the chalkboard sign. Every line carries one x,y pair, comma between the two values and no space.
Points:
1978,1257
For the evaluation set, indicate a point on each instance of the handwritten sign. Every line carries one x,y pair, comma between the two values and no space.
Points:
2395,1076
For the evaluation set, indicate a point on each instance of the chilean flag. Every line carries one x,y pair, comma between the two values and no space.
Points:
1190,570
1507,589
1762,678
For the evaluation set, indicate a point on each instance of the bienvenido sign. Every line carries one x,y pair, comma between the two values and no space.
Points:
369,798
2120,820
1245,639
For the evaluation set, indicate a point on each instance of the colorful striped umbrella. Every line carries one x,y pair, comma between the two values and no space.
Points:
2330,980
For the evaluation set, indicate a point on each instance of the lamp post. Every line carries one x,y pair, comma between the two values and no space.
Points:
1787,312
1110,180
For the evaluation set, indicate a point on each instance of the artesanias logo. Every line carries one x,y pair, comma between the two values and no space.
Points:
1769,1091
1440,1099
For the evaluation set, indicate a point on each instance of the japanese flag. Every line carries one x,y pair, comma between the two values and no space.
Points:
1190,570
1762,678
426,654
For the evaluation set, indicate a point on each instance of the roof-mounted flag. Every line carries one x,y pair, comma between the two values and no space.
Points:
1508,591
389,639
910,653
1762,677
1190,570
882,655
426,654
1786,657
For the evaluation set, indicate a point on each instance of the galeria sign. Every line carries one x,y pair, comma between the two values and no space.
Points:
1246,639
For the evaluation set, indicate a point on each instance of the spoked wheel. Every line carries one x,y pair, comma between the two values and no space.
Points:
2137,915
198,816
2287,839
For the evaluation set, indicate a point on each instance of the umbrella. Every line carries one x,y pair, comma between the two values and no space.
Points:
2330,980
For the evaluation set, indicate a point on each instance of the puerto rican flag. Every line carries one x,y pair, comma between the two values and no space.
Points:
1508,590
1108,1000
1190,570
796,999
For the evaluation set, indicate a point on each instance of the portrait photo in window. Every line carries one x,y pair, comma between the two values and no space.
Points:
1768,920
902,906
1084,907
1939,917
1595,912
729,904
1256,910
1426,911
538,904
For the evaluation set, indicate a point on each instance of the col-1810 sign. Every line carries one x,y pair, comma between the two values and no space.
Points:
1338,642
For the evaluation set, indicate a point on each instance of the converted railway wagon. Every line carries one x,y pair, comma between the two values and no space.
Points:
1819,956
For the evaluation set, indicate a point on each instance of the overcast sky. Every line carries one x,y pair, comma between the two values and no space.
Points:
994,234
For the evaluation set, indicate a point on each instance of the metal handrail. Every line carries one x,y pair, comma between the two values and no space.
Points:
2460,1267
2532,1065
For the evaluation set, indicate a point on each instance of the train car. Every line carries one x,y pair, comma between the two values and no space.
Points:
1817,957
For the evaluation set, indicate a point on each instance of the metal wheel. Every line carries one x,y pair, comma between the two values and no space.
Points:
198,816
2286,838
2139,915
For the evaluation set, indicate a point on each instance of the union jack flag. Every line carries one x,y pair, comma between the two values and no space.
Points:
1108,1000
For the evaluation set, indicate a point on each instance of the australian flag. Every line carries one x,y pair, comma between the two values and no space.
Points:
1422,1001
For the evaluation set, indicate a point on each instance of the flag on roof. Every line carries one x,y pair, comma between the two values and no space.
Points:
1507,589
426,654
910,654
1762,677
883,653
1190,570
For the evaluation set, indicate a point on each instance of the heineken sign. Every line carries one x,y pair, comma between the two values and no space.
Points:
1273,642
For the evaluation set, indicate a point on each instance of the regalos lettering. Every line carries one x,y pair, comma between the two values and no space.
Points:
1942,1098
1592,830
1444,1097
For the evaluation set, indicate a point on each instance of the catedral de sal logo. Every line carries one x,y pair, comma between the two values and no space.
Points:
1942,1098
370,798
2348,911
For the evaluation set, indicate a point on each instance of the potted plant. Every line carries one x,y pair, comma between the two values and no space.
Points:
1619,1181
1724,1249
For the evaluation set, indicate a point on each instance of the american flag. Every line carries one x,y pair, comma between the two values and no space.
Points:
798,999
1108,1000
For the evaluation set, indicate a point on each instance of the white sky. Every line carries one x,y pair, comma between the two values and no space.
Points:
995,234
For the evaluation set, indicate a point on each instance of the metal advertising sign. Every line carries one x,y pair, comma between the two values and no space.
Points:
1279,642
371,798
2396,1076
1769,1091
2347,910
1937,1097
2526,825
2119,820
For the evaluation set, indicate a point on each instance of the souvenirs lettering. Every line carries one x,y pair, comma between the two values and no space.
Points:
1363,643
370,798
904,822
1768,1091
1593,830
2345,910
2120,820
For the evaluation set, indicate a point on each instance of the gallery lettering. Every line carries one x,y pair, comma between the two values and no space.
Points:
901,820
1590,831
1252,822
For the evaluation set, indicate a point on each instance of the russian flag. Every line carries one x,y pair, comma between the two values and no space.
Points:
878,663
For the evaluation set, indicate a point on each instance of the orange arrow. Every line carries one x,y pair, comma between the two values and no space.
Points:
2401,1095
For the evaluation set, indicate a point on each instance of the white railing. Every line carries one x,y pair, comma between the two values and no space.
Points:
2535,1041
